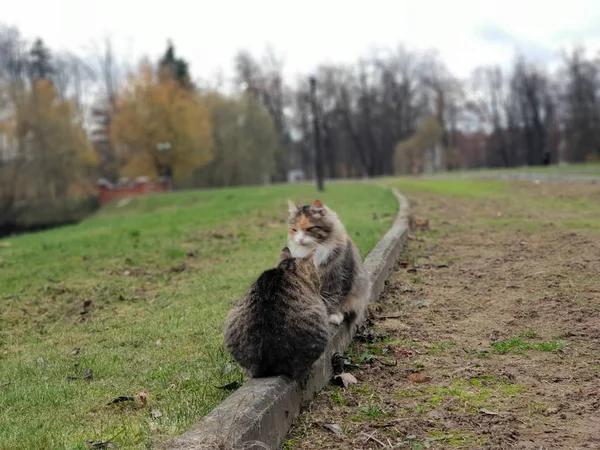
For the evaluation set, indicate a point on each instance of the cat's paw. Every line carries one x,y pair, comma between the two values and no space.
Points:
336,318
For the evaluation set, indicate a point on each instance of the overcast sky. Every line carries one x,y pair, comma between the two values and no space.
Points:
467,33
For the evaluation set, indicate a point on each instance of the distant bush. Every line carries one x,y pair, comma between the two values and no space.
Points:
38,215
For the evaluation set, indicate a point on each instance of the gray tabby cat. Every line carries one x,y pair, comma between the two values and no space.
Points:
280,325
346,284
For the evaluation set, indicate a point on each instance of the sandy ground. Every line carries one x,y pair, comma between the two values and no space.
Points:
487,336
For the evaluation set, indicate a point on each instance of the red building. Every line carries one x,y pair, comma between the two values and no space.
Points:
107,192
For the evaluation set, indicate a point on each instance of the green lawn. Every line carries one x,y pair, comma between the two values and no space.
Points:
138,294
517,204
570,170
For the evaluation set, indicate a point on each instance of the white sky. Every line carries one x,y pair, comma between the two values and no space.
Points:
467,33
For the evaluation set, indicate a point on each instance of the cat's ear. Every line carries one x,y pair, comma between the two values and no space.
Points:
292,208
318,205
285,254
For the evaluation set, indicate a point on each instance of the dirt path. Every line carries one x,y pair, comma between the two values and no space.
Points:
488,335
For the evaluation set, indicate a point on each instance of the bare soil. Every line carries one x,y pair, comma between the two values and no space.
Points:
487,336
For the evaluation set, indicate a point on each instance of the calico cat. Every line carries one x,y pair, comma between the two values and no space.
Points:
346,284
280,325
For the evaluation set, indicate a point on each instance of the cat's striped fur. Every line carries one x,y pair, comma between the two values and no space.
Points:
280,325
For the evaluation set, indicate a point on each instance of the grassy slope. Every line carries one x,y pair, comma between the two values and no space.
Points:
517,203
571,170
160,273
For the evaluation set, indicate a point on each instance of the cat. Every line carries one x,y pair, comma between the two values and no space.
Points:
346,284
280,325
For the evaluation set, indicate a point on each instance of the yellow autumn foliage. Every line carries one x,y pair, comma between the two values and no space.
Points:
152,111
53,146
410,153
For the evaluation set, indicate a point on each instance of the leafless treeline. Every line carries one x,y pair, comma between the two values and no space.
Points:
513,116
370,110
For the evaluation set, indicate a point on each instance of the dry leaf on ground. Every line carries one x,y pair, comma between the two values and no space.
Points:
418,378
334,428
345,379
143,396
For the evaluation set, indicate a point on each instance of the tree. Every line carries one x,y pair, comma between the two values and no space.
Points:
175,68
265,82
414,154
151,111
55,144
581,104
40,66
246,142
109,72
13,74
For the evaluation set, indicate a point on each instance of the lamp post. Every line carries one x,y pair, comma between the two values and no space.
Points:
318,150
166,170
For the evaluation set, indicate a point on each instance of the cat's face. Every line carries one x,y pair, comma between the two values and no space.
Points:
302,267
309,225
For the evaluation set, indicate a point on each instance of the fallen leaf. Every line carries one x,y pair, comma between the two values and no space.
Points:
89,375
488,412
143,397
418,378
405,352
230,386
121,399
334,428
127,273
345,379
75,351
422,224
158,342
155,413
404,263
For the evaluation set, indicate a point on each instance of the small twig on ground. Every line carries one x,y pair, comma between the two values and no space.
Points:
371,437
395,363
385,425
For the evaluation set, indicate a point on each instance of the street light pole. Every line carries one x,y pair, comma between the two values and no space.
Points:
318,150
167,170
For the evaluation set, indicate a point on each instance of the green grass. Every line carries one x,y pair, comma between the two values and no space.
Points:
575,169
460,188
521,346
158,276
512,206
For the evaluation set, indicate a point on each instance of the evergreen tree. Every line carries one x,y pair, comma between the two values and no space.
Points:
175,68
40,63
